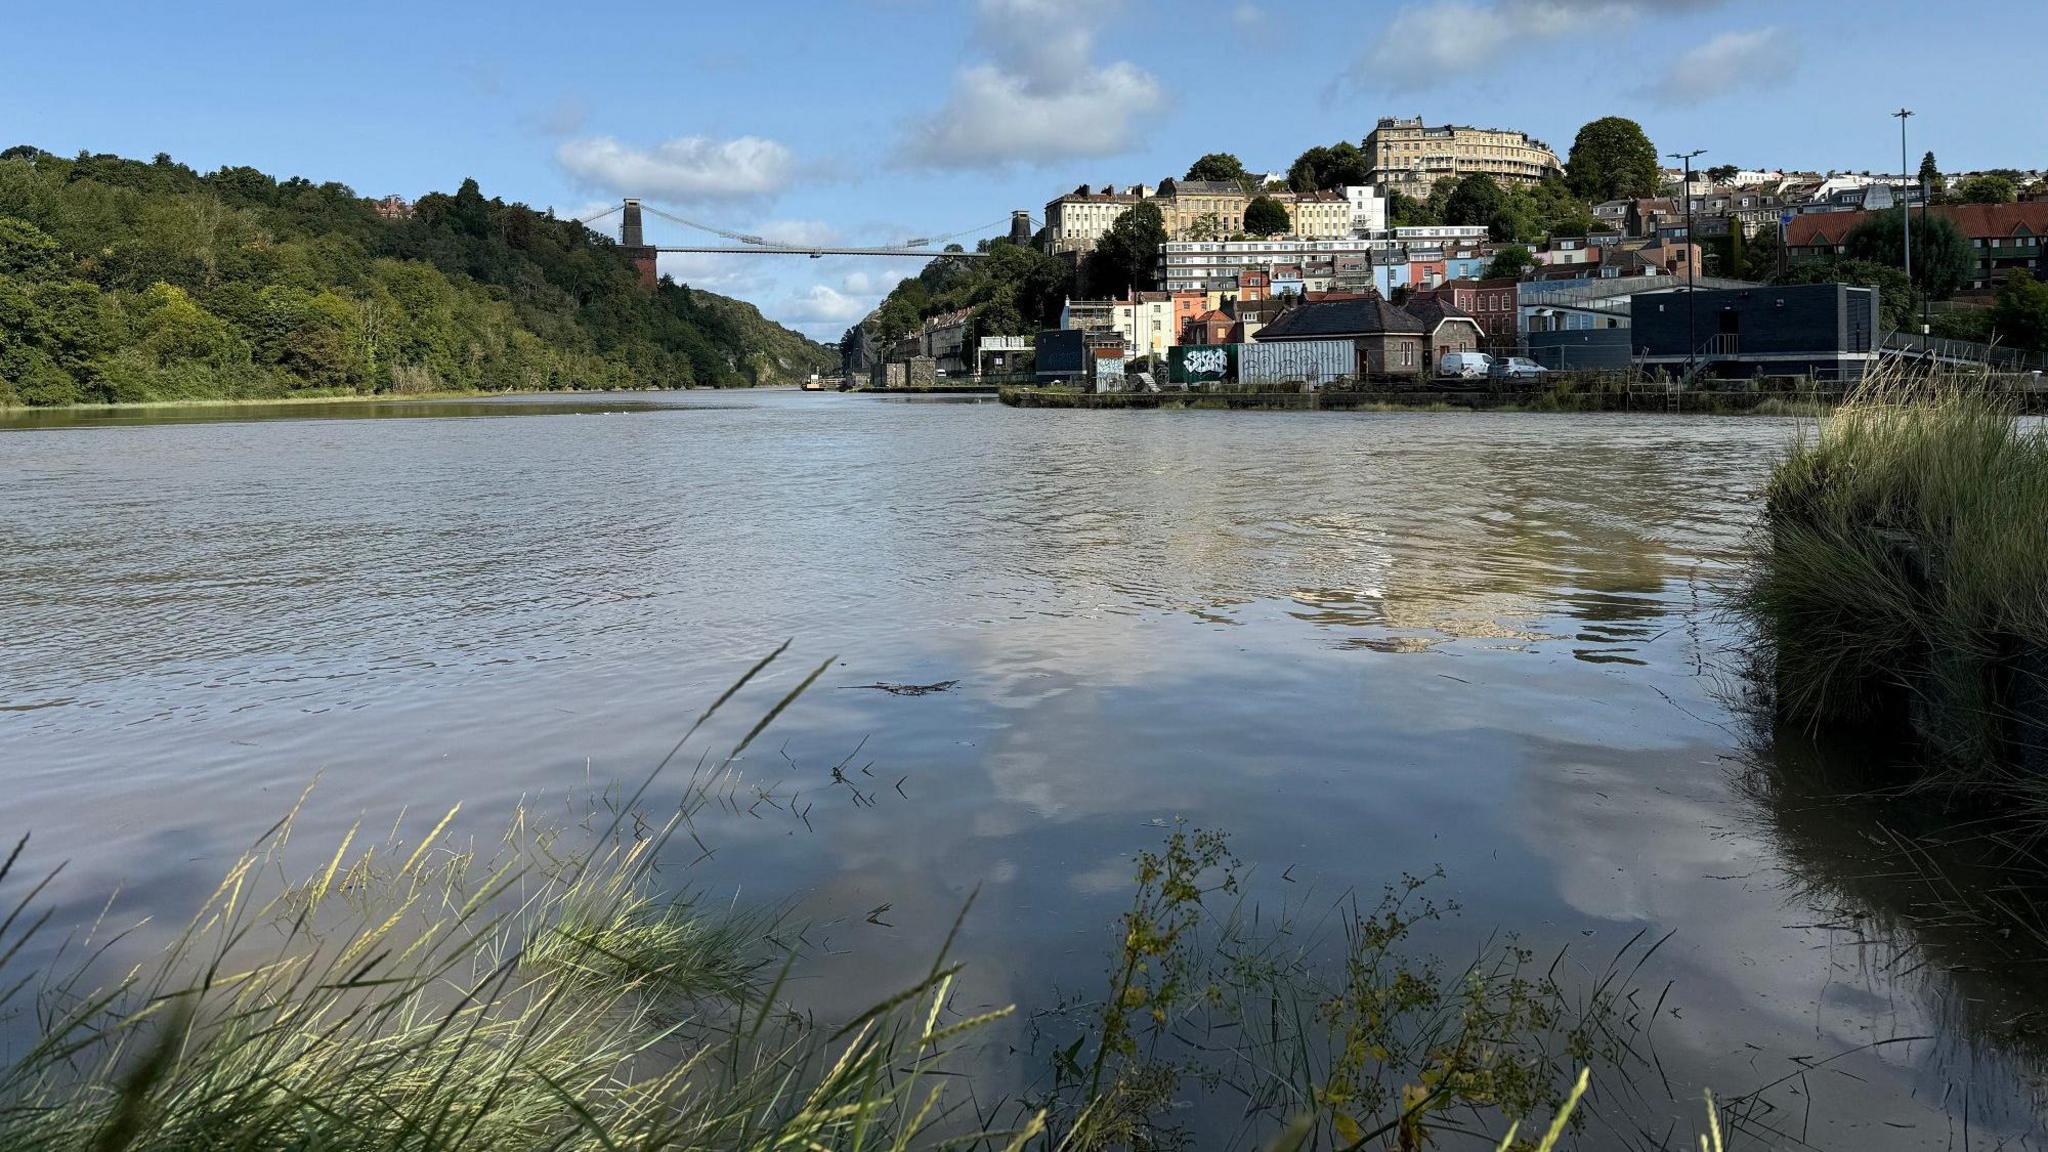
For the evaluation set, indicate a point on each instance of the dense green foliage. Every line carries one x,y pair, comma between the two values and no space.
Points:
1013,291
1612,159
1527,214
1322,168
1265,216
1474,199
1127,256
125,281
1988,188
2020,318
1899,576
1898,308
1217,166
1941,253
1509,263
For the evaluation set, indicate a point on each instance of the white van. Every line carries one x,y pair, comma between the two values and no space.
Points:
1465,365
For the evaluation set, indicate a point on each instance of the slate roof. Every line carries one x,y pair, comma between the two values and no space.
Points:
1338,319
1433,312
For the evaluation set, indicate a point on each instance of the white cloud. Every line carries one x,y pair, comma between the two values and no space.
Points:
1041,97
688,168
822,304
1248,15
1427,45
797,232
1730,62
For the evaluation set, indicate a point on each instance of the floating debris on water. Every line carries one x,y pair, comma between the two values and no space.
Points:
906,689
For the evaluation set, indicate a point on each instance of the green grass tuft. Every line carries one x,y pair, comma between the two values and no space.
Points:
1902,572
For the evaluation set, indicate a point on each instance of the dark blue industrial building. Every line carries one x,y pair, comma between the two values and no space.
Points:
1825,331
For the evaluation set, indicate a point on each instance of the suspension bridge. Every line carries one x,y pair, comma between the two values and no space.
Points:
632,238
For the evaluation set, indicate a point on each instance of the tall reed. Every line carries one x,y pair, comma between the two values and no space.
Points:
1901,573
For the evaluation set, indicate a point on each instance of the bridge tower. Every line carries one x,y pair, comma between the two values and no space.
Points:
1020,228
634,241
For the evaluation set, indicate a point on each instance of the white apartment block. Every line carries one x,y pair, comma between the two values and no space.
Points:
1210,211
1145,323
1433,236
1368,209
1213,266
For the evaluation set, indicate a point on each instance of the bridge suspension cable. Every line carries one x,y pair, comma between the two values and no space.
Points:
741,237
918,246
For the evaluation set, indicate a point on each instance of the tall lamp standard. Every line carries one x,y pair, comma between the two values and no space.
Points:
1692,320
1905,209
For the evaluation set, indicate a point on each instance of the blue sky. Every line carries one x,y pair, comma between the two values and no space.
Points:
870,121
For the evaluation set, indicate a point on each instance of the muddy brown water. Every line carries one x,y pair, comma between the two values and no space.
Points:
1361,643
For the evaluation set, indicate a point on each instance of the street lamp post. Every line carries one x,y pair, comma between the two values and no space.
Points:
1905,210
1692,321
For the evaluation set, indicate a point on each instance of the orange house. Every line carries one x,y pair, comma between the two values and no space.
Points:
1186,307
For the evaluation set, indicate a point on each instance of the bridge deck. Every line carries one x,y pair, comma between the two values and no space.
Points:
781,250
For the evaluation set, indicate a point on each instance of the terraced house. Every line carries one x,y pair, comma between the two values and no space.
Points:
2003,237
1409,157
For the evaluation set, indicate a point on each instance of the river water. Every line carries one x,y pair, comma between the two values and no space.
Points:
1363,644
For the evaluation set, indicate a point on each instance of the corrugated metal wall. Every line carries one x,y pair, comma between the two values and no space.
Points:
1318,363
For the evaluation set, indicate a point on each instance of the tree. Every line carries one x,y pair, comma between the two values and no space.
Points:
1988,188
1475,199
1612,159
1762,254
1894,296
1440,198
27,251
1127,256
1942,259
1932,180
1265,216
1320,169
1216,166
1405,211
1509,263
2021,315
1722,173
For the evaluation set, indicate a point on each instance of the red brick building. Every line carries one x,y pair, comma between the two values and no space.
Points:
1209,328
1492,303
2002,237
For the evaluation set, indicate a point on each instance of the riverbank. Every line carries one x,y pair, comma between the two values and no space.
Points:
1428,400
931,390
317,397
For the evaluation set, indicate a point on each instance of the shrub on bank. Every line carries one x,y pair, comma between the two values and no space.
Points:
1901,573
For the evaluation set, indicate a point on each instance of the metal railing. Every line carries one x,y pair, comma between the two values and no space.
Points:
1937,348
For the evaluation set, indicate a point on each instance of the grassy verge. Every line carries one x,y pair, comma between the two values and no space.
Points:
1901,576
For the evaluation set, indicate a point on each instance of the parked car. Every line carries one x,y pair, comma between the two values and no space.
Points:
1466,365
1518,368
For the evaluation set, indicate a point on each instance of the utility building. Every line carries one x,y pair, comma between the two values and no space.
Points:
1826,331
